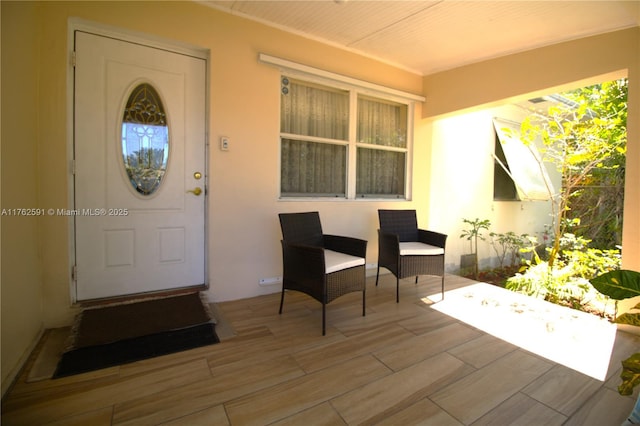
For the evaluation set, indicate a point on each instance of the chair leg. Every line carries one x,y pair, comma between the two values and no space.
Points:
397,290
416,279
442,286
363,304
324,314
364,292
377,274
281,301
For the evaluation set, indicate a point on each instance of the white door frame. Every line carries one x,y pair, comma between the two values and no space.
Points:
76,24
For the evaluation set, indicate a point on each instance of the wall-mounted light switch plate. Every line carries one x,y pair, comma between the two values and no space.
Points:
224,143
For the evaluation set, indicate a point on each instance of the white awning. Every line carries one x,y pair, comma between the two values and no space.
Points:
524,165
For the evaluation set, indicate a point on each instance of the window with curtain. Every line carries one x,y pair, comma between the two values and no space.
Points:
382,148
314,129
336,142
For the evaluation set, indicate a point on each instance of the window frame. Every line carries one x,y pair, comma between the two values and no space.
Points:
351,144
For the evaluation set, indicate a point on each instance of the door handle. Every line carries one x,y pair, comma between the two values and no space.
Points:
196,191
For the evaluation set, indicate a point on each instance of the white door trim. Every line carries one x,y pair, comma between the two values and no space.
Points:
75,24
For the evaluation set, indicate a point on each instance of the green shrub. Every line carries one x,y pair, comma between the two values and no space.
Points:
508,247
567,282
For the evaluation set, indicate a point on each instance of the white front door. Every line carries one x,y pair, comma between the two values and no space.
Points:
139,155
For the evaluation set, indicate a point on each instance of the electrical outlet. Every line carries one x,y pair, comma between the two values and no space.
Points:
371,265
270,281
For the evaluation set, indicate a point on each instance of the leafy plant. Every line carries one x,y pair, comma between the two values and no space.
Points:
473,234
507,243
556,285
630,374
619,285
584,141
600,198
588,262
567,282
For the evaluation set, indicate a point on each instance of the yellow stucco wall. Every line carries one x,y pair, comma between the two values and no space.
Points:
21,269
244,105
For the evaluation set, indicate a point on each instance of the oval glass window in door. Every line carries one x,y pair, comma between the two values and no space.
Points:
145,139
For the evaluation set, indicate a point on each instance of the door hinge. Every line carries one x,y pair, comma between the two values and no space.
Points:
73,59
74,273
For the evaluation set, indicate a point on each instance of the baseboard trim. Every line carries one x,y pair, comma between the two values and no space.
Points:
14,374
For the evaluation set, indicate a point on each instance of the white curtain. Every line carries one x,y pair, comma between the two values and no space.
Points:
381,172
314,168
382,123
315,143
315,111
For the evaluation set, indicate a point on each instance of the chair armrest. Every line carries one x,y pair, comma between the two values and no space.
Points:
432,238
302,262
346,245
388,245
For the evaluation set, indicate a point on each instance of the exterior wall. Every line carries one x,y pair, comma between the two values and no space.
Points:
552,69
22,295
461,184
244,234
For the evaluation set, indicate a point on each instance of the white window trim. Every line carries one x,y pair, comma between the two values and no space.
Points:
355,87
374,89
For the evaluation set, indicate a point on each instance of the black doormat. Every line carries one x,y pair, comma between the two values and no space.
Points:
115,335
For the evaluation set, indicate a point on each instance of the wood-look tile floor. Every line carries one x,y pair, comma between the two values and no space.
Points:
401,364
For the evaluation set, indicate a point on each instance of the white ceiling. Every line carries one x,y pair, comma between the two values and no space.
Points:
431,36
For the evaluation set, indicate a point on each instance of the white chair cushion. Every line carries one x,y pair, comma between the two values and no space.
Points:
419,249
335,261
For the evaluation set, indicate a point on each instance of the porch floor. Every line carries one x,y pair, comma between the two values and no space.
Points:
402,363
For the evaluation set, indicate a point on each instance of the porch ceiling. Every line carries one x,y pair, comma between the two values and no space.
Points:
431,36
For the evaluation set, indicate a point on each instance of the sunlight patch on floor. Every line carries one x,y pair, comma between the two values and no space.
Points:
575,339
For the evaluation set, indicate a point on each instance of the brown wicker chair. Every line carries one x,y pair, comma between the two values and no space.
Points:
399,253
323,266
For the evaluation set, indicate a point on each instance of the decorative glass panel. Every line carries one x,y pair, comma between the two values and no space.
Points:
145,139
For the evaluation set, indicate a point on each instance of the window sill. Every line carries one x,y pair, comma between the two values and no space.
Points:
343,200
